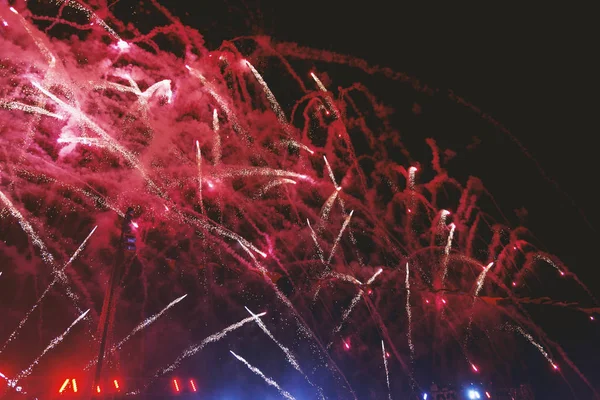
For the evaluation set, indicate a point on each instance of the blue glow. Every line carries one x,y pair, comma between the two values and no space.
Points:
424,396
474,394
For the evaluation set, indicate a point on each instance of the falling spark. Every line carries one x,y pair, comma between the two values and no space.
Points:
27,371
372,279
268,380
58,276
288,354
387,373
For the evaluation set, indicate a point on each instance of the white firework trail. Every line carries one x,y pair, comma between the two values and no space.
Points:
409,315
447,252
56,341
375,275
288,354
218,98
259,171
353,304
282,181
199,164
58,276
302,326
330,171
442,221
26,226
82,140
290,142
143,325
536,344
313,234
344,277
112,144
147,322
481,279
15,105
217,145
192,350
268,380
387,372
411,178
322,88
324,217
345,316
339,237
272,100
94,18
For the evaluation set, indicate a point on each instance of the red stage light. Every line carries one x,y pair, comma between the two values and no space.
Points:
193,385
176,385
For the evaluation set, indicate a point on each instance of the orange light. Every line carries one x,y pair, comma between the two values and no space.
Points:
64,385
74,382
176,384
193,385
116,382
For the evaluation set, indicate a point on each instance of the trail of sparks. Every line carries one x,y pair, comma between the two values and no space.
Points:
288,354
339,237
217,145
268,380
26,226
481,279
387,373
447,253
409,315
272,100
272,184
199,165
58,276
330,171
15,105
57,340
353,304
143,325
147,322
192,350
537,345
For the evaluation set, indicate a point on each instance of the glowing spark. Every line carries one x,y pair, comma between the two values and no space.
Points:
199,164
372,279
269,381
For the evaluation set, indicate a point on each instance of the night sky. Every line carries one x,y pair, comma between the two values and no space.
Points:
530,67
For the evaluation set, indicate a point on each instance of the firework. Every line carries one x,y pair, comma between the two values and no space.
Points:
243,200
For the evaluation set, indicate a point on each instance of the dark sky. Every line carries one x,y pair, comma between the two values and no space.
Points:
530,67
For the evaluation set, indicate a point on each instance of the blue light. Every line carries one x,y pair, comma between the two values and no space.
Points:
474,394
424,396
